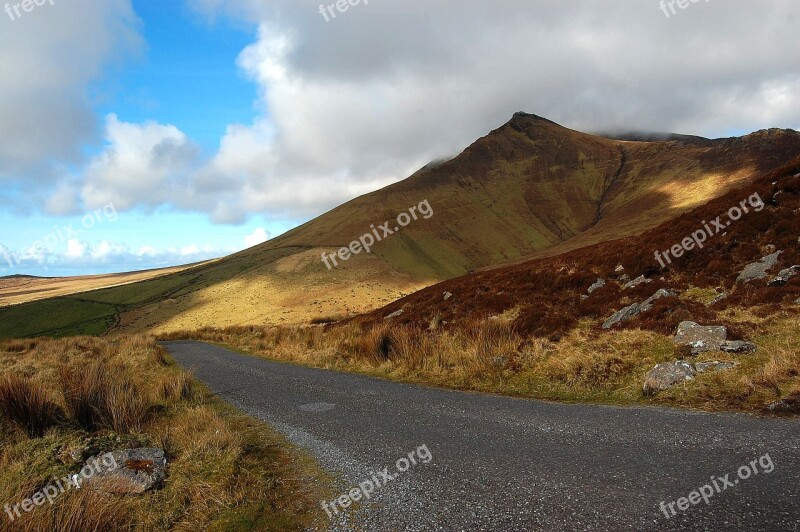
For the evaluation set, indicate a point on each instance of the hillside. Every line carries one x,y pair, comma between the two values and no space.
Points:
528,189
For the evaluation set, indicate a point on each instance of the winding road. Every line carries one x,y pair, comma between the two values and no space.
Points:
486,462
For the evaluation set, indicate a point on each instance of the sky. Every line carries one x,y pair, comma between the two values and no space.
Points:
145,133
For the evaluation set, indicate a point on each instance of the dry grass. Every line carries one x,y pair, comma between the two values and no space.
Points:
583,365
226,471
28,405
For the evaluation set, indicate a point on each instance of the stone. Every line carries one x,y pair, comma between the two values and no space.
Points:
134,471
758,270
620,268
665,376
625,314
784,276
584,297
738,347
700,338
721,297
394,314
447,295
624,278
600,283
703,367
634,310
636,282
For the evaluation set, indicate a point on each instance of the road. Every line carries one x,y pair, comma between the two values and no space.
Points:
486,462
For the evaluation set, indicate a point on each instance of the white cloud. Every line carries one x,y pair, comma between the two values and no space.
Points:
259,236
354,104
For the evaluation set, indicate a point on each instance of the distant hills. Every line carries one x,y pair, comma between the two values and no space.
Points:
529,189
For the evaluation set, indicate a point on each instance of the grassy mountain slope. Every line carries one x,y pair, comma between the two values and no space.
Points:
527,189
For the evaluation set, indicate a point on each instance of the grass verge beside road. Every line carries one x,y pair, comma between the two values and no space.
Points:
63,398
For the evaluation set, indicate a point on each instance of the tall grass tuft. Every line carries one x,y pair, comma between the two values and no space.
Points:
27,405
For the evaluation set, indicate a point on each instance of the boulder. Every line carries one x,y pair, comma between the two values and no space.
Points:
758,270
784,276
134,471
625,314
703,367
600,283
700,338
738,347
665,376
394,314
634,310
636,282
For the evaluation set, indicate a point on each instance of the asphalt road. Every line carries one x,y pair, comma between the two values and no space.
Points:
495,463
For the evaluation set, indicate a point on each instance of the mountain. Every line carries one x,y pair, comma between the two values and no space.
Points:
528,189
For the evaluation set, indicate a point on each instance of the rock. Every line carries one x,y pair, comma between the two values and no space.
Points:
721,297
620,268
699,337
394,314
665,376
797,301
133,471
625,314
790,405
738,347
624,278
758,270
636,282
784,275
584,297
499,362
447,295
703,367
634,310
600,283
648,303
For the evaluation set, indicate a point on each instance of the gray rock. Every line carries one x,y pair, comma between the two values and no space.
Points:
133,470
703,367
624,278
636,282
661,293
634,310
699,337
665,376
600,283
721,297
394,314
447,295
758,270
784,275
625,314
739,347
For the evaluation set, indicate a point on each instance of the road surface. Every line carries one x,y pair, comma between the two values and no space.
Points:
483,462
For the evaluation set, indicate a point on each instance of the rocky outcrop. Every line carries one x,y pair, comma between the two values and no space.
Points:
784,276
738,347
134,471
636,282
758,270
700,338
635,309
665,376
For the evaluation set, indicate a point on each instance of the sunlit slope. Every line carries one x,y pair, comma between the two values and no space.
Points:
529,188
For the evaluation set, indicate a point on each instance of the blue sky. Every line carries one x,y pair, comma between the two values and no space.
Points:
211,125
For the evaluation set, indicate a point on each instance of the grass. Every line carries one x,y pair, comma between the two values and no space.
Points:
62,400
583,365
